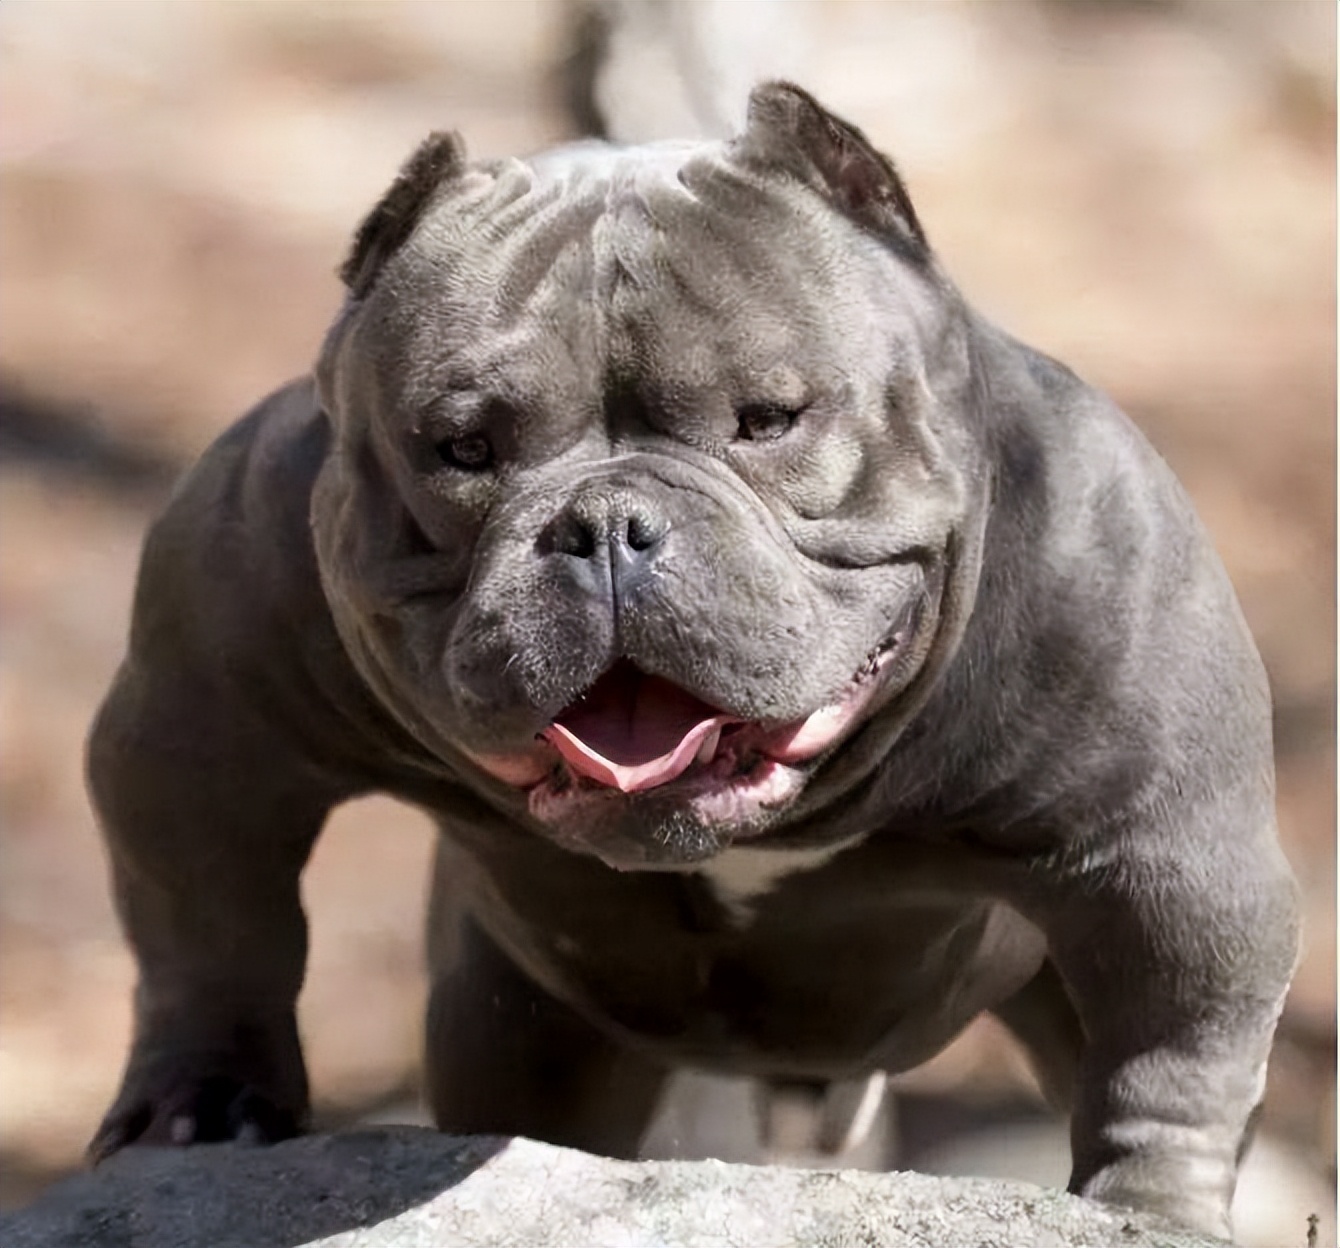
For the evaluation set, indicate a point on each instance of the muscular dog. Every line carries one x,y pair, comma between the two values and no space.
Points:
661,516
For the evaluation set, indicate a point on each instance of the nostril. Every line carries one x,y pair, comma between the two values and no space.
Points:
570,535
596,525
646,527
580,542
643,533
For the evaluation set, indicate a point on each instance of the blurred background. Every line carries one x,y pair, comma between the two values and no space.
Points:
1146,190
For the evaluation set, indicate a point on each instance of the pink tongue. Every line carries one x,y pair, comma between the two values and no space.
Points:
633,731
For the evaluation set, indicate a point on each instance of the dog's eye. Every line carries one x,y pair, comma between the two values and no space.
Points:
470,453
764,422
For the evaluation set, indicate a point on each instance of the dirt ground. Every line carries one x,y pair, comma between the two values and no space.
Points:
1146,191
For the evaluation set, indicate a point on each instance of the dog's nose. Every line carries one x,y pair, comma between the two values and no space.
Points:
627,525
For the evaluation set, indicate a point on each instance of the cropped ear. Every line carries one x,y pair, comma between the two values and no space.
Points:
789,128
437,160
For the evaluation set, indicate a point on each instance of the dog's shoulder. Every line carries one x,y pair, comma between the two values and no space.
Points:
230,558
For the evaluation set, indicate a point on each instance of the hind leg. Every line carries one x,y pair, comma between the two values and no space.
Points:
1043,1019
506,1058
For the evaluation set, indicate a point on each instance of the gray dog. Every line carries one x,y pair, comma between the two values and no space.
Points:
797,666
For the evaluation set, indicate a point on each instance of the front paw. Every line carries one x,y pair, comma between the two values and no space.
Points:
1168,1188
195,1110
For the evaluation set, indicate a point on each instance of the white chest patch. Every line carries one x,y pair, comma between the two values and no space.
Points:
740,876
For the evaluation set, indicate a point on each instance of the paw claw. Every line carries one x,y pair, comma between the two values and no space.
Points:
116,1132
104,1144
250,1134
181,1130
200,1110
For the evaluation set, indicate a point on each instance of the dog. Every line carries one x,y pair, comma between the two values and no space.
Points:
796,665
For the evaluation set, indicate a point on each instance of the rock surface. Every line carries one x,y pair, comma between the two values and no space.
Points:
409,1187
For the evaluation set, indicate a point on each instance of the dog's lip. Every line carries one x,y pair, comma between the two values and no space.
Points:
711,739
720,795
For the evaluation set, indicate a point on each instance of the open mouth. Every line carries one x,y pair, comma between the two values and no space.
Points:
633,732
635,737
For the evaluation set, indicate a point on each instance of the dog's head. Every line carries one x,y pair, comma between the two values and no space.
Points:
649,474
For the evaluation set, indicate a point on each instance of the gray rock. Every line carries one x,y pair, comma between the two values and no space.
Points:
412,1188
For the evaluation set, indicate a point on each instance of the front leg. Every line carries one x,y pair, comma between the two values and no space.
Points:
1177,944
209,819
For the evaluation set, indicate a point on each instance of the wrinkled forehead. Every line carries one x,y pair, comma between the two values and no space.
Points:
667,260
